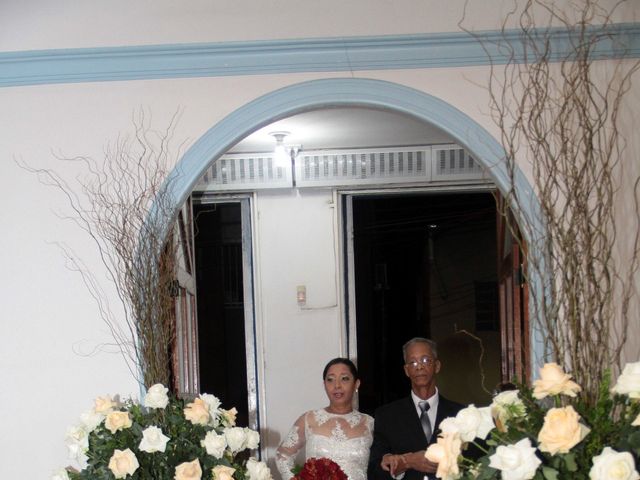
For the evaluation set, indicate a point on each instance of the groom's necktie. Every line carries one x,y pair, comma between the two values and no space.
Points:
424,419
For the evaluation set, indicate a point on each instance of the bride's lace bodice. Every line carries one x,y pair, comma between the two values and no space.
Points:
345,439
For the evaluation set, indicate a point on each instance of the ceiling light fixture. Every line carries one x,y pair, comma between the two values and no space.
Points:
281,157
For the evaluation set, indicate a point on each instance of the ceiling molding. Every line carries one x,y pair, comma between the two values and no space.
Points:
339,54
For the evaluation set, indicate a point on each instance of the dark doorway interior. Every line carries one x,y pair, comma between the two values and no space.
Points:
425,265
221,335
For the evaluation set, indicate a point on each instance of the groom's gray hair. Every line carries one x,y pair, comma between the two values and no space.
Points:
432,345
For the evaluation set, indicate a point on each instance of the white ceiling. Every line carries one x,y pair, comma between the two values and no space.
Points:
337,128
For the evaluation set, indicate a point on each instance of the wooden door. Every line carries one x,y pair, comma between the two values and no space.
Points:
513,297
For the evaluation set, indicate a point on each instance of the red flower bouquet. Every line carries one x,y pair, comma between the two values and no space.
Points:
320,469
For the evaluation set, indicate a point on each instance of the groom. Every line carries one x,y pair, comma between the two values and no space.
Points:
403,429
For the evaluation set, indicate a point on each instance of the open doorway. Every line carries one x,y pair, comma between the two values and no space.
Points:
222,246
424,264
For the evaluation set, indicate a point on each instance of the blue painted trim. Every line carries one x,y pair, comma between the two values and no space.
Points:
357,92
285,56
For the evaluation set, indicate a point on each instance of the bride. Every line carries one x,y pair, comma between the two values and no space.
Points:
337,432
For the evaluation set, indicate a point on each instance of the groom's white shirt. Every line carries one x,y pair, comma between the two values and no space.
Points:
433,401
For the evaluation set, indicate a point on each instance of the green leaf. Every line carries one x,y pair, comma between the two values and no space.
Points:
570,462
550,473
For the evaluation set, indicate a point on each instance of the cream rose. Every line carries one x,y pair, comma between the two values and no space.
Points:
629,381
222,472
612,465
553,381
156,396
636,422
197,412
253,439
153,440
561,430
229,417
123,463
214,444
105,405
117,421
505,406
517,461
236,438
258,470
445,453
189,471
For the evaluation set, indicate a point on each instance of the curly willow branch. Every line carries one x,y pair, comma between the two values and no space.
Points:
559,108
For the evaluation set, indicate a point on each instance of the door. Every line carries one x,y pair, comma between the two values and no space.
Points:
185,352
513,296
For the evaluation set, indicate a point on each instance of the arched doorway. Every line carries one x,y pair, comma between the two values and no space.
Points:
346,92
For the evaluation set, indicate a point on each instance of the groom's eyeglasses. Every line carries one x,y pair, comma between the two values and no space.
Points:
424,361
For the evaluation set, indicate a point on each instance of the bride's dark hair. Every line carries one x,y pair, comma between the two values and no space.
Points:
344,361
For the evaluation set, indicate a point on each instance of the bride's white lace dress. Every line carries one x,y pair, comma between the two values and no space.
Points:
344,438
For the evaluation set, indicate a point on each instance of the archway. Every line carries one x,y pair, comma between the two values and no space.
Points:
317,94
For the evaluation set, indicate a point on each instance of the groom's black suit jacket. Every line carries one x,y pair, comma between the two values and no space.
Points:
397,430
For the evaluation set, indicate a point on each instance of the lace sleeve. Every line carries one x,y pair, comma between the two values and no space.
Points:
289,448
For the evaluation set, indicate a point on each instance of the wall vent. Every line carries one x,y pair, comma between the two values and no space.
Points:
361,167
321,168
244,172
451,162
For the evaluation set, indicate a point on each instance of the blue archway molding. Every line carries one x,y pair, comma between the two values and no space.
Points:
362,92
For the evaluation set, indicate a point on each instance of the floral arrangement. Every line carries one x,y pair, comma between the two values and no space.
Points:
165,438
320,469
546,433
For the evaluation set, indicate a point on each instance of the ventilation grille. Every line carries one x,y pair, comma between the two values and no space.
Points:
423,164
454,163
242,172
363,167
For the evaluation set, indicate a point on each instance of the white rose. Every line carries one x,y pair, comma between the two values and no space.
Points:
516,462
77,442
629,381
236,438
61,474
253,439
153,440
553,381
258,470
156,396
90,420
474,422
123,463
505,406
612,465
214,444
636,422
214,405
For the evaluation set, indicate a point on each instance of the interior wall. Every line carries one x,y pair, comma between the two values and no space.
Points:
56,351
